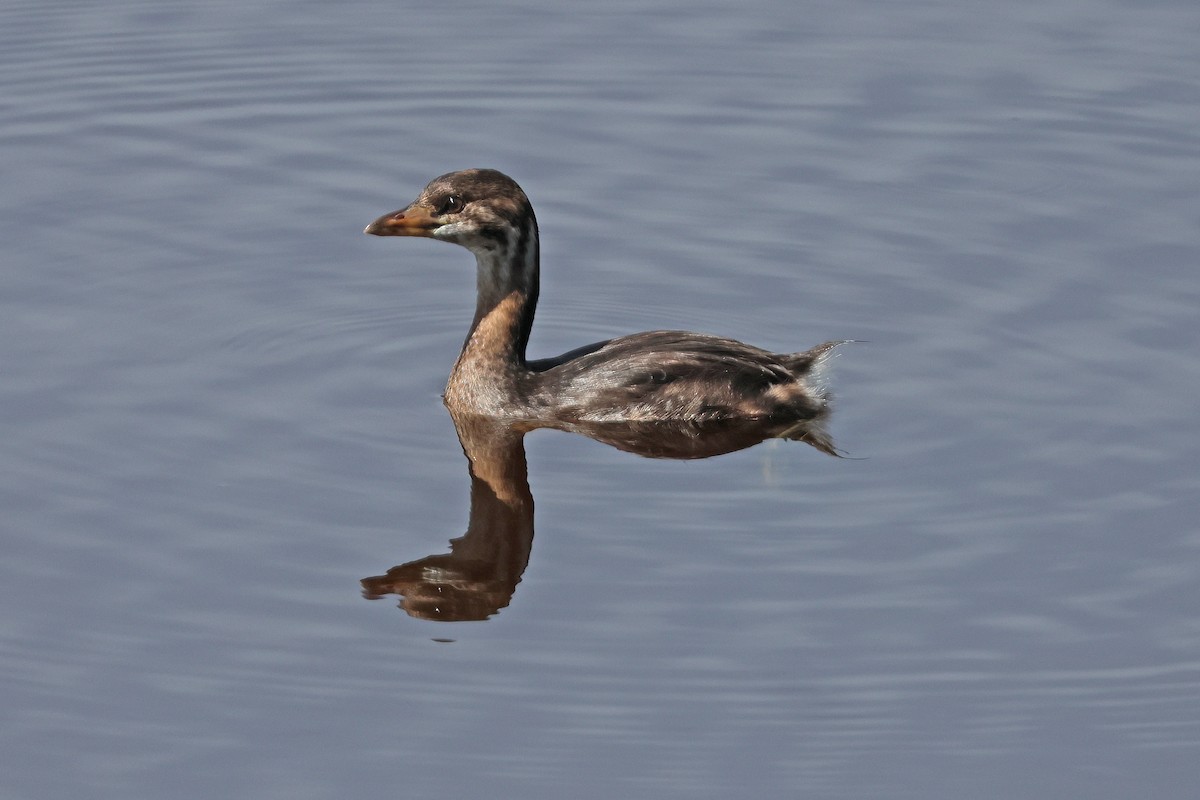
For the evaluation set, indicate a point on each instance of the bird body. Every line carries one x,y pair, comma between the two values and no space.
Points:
674,377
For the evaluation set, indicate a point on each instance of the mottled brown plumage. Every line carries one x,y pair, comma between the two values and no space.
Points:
668,377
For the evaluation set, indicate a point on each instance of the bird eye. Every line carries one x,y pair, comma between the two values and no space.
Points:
451,205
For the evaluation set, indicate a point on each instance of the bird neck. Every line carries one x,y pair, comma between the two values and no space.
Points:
507,293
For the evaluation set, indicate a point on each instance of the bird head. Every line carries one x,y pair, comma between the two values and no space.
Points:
481,209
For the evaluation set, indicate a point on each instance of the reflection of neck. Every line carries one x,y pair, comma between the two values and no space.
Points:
496,452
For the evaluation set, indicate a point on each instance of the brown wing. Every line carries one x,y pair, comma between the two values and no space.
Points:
661,375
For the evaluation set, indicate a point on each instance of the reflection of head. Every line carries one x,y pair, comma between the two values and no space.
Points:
437,588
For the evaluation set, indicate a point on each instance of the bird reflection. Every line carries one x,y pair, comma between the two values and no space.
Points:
478,576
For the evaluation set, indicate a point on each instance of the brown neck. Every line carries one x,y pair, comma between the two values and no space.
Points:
499,331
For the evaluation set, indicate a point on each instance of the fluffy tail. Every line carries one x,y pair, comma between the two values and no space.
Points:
812,367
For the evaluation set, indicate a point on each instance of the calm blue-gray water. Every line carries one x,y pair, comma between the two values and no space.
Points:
220,402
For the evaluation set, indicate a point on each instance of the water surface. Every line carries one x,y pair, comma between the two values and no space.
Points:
221,403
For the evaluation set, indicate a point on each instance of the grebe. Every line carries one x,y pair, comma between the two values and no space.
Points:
657,376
